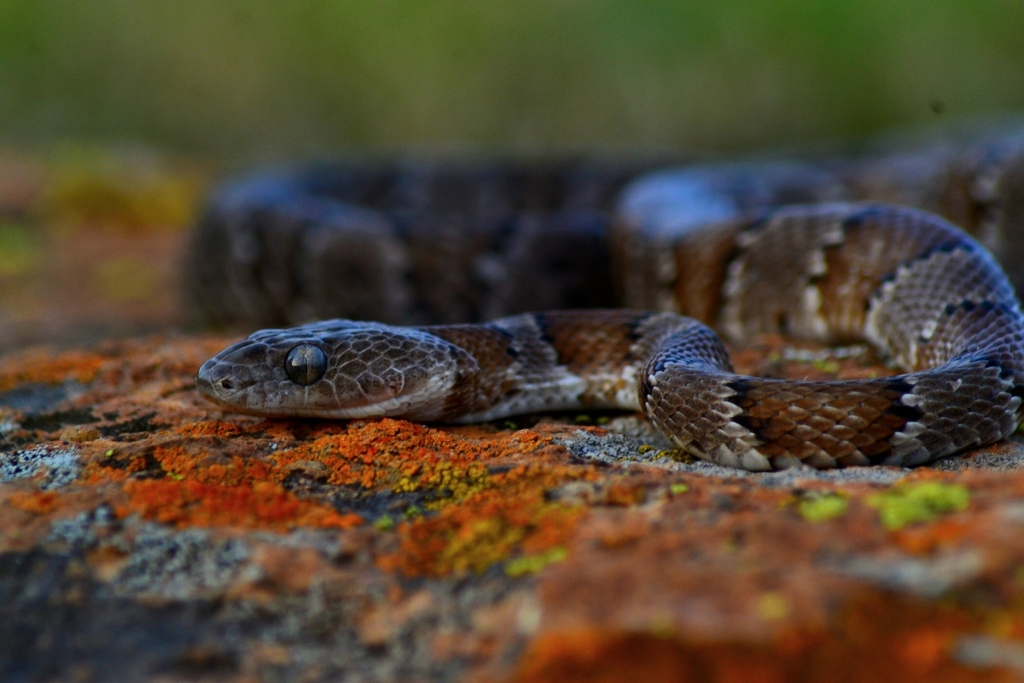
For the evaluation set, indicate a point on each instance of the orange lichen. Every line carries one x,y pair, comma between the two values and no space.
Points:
35,502
181,464
406,456
41,367
508,514
209,428
926,539
260,505
624,494
484,529
502,511
483,516
98,472
595,655
925,647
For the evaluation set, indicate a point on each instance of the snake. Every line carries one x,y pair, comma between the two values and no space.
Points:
782,247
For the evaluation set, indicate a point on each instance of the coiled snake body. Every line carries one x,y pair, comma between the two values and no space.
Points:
708,243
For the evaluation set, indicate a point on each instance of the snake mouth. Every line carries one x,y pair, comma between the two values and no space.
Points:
214,382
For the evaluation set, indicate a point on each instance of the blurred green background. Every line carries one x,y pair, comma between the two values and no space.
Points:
249,81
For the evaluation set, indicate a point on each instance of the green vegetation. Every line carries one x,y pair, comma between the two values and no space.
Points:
277,78
20,249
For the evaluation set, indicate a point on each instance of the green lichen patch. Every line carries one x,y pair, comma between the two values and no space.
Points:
822,507
918,502
531,564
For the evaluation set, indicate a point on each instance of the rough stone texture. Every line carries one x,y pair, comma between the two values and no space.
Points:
145,535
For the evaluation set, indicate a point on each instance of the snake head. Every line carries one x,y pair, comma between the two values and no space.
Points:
337,369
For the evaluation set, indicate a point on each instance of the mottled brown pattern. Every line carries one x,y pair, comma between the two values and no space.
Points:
702,262
492,349
589,344
813,420
875,243
495,354
955,201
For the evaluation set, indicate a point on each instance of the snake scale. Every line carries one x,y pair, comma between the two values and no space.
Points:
832,251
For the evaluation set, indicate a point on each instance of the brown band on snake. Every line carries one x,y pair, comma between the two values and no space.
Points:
820,423
588,347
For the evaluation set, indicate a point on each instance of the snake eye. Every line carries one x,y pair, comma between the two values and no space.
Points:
305,364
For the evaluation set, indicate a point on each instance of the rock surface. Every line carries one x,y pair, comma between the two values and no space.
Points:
146,535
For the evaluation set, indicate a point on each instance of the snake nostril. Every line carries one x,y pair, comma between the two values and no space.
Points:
226,383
